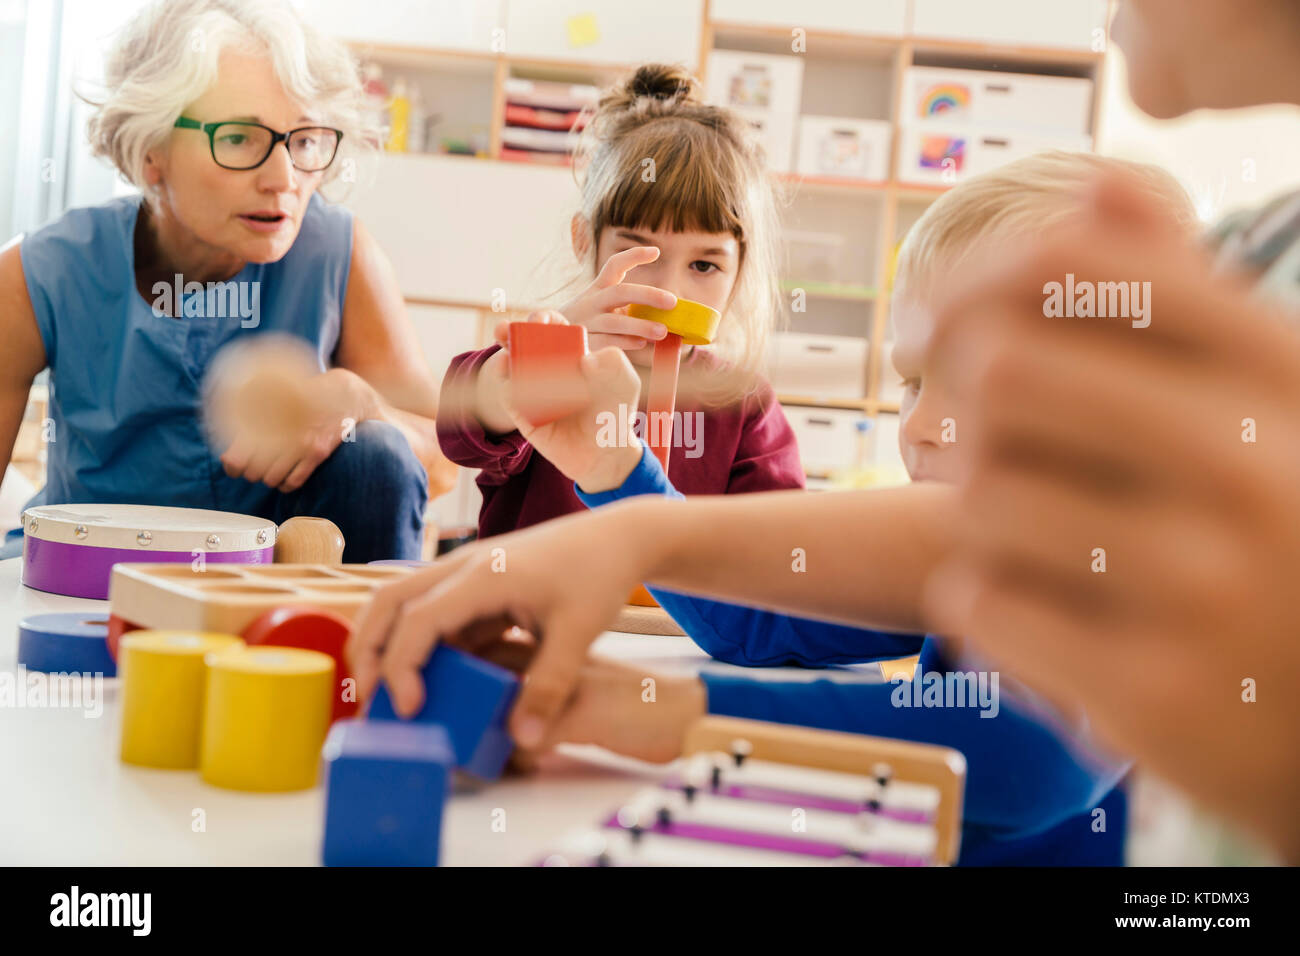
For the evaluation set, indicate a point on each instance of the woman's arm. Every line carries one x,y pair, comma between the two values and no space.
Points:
24,353
378,345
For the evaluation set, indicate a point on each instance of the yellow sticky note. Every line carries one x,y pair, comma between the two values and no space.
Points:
583,30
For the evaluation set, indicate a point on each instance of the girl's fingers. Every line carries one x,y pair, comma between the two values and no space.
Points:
615,323
630,293
628,343
621,263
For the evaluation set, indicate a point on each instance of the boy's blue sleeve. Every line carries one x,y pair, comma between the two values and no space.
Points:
748,636
1023,775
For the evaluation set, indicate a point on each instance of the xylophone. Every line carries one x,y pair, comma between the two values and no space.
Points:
750,793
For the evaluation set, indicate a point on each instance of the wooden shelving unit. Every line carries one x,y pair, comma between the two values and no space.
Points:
857,305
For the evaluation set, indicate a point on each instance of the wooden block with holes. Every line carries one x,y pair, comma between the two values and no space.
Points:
939,767
226,598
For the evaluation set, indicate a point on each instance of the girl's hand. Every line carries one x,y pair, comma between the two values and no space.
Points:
588,446
601,307
562,581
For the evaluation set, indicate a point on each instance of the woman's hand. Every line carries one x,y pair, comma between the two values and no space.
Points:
602,306
563,581
275,416
588,446
331,406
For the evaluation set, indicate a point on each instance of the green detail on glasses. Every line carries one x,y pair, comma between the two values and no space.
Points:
238,144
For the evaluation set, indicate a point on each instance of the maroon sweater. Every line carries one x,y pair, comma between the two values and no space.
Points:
745,447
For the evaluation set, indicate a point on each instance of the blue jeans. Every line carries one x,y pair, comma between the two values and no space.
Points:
374,489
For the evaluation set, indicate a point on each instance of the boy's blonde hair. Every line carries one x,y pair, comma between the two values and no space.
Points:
1019,199
653,155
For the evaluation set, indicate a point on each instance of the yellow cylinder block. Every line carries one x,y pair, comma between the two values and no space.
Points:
163,681
696,323
266,713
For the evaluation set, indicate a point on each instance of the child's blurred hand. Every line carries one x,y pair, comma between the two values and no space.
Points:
580,445
628,711
601,307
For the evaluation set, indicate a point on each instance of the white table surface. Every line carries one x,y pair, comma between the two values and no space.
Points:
66,798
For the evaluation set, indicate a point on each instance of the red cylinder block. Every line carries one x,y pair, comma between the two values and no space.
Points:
312,629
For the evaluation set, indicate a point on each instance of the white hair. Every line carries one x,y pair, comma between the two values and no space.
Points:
167,57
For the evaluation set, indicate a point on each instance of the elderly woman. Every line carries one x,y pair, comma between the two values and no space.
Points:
228,115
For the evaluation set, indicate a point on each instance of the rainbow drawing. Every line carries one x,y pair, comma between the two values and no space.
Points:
945,98
943,152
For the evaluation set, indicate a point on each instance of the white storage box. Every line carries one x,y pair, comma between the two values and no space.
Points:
829,438
849,148
775,131
757,81
818,367
1072,24
813,257
933,153
990,100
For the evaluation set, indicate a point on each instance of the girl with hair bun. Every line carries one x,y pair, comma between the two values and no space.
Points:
675,201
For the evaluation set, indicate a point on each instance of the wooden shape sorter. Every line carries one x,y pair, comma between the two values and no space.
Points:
228,598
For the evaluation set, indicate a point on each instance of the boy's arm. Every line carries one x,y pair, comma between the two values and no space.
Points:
856,557
466,434
786,551
744,635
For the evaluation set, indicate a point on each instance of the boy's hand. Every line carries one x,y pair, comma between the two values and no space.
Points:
601,307
563,581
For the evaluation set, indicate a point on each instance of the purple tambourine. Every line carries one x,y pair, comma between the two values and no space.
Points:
71,549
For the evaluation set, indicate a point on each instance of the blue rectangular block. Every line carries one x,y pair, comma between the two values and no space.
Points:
472,699
385,786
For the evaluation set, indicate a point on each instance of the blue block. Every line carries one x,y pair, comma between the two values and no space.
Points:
65,643
472,699
385,786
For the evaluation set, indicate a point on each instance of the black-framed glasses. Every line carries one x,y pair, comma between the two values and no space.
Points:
238,144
